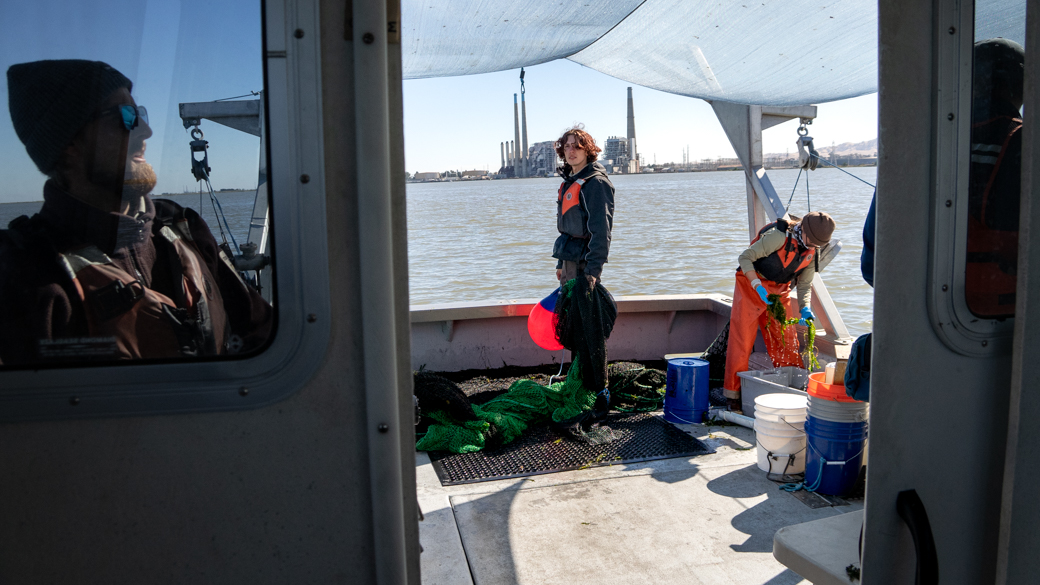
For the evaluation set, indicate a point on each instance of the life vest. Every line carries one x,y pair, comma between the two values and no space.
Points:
993,212
145,323
783,265
565,200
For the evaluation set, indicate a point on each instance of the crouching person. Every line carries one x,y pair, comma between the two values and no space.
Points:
782,253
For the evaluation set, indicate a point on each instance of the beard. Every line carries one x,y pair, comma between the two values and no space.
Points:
139,179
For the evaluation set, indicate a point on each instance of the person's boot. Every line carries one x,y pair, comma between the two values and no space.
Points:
600,409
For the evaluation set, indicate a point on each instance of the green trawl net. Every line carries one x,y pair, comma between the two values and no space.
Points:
505,417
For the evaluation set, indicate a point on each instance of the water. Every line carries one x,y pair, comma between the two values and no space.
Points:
237,205
673,234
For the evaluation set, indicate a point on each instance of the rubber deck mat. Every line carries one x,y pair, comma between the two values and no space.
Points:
540,450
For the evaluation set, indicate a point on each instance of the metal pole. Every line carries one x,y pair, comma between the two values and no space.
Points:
375,229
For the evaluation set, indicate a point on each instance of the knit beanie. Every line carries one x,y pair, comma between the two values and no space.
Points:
817,227
50,101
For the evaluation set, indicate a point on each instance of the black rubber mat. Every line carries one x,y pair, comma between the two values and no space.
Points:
640,437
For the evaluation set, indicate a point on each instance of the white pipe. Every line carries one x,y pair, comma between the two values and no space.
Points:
728,416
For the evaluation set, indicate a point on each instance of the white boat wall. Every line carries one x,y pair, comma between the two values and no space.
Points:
451,338
298,464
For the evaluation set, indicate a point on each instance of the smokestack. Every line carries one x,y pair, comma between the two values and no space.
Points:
525,154
631,117
502,147
511,156
516,131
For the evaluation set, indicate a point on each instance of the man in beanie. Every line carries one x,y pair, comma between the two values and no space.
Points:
782,253
103,271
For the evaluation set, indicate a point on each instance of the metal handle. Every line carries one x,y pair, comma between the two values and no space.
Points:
911,510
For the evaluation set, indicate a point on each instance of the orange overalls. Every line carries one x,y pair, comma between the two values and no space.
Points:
748,314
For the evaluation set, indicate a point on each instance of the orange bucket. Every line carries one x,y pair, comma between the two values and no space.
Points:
820,389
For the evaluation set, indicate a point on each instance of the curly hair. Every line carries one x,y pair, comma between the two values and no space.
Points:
584,140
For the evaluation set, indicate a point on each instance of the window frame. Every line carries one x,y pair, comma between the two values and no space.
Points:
293,127
953,322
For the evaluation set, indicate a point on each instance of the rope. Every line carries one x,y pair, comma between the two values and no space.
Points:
215,203
842,170
791,198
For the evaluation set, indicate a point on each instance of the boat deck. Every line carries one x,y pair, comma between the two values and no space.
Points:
708,519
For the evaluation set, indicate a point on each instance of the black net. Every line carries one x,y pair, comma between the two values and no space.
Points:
715,355
584,319
635,388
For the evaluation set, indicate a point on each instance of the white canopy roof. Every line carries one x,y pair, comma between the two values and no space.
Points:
745,51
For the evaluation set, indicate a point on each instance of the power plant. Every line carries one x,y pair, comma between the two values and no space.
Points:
540,160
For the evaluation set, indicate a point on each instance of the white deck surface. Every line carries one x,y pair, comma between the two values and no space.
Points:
702,520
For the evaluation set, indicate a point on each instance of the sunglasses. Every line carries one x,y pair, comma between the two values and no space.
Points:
132,116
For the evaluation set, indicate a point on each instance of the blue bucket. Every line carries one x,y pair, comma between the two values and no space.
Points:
834,455
686,391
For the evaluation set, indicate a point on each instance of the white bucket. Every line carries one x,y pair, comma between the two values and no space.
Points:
794,419
834,411
781,408
780,429
781,448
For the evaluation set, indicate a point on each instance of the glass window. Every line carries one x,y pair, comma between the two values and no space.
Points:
994,181
135,204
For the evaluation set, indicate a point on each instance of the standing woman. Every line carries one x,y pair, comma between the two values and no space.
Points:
782,253
584,217
584,209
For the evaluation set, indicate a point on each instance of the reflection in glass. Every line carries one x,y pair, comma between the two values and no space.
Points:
994,178
106,269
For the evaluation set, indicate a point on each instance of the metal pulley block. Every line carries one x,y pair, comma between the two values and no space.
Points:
808,158
199,167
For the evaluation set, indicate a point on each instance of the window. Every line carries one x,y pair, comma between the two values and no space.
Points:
130,256
975,204
137,265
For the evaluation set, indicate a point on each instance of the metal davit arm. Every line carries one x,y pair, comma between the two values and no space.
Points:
743,125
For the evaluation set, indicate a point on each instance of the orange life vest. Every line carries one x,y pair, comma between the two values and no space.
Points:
992,249
569,198
783,265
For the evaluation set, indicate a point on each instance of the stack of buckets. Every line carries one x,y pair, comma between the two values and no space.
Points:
686,391
836,432
779,431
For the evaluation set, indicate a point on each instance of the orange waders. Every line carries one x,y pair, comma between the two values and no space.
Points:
746,318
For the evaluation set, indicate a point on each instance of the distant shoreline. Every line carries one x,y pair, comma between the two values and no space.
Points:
154,195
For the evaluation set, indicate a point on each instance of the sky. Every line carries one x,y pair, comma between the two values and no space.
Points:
459,123
169,52
454,123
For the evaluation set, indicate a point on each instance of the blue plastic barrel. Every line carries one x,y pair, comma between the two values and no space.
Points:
834,455
686,391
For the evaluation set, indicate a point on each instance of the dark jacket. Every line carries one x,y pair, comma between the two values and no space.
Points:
585,225
39,302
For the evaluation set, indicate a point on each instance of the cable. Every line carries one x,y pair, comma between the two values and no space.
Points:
251,93
844,171
789,199
218,213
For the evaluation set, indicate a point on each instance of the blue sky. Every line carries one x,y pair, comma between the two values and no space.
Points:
173,55
173,51
459,122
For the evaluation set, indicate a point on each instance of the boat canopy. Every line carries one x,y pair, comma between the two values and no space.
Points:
743,51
